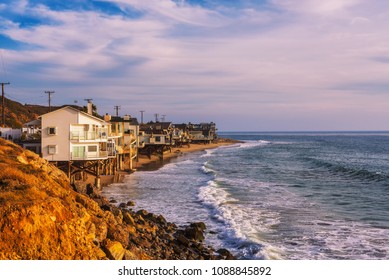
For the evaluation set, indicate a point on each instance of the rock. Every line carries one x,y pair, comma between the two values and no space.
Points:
142,213
128,219
113,201
194,233
105,207
130,203
161,219
80,187
225,254
92,191
122,205
199,225
113,249
182,239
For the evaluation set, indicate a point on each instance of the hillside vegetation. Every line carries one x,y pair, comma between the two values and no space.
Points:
17,114
43,217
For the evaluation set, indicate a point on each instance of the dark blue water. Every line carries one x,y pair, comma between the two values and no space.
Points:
279,195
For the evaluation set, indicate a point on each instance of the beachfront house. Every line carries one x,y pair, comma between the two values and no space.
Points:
181,135
203,132
72,135
126,129
157,138
158,133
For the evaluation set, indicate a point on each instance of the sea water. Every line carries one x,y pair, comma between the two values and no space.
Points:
278,195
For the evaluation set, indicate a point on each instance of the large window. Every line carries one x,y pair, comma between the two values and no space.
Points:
78,152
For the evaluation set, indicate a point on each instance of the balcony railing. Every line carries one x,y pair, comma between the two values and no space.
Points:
89,135
89,156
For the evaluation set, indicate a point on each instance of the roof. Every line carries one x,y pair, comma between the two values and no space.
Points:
33,122
158,126
76,110
132,121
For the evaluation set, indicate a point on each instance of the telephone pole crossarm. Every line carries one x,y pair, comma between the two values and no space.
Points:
49,92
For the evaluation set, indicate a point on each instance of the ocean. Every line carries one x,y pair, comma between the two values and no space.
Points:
294,196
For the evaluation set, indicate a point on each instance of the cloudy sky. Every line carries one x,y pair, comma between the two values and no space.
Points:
258,65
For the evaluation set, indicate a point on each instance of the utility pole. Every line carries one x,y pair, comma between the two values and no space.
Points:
156,117
3,102
49,92
141,116
163,118
117,107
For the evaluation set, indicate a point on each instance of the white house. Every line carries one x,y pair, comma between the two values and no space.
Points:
10,133
72,135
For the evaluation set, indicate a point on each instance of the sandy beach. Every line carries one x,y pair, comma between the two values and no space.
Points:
146,163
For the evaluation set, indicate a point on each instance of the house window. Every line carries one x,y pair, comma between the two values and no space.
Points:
52,131
157,138
52,149
92,149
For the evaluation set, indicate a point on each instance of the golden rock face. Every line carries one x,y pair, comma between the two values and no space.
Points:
41,216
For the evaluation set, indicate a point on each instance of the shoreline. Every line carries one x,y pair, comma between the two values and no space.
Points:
145,163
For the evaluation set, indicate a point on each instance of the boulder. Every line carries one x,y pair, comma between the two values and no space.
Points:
130,203
113,249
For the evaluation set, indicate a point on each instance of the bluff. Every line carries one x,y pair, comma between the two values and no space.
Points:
16,114
42,216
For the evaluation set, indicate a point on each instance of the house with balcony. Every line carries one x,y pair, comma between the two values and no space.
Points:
78,143
181,135
126,131
203,132
157,137
69,134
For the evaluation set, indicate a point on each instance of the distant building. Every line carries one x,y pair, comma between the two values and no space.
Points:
158,133
32,129
10,133
181,134
203,132
157,138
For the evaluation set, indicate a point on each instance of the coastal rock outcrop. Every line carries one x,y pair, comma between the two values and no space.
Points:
44,217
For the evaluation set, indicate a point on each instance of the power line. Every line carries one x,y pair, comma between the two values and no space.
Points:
3,102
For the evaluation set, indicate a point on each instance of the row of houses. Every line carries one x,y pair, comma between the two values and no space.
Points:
80,143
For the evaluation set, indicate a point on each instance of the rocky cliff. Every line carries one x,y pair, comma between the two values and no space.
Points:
43,217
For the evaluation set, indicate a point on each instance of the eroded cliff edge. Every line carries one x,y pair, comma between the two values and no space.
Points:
43,217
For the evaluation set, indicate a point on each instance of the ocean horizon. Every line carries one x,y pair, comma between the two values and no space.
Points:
278,195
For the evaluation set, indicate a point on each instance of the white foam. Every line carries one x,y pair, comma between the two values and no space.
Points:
250,144
245,222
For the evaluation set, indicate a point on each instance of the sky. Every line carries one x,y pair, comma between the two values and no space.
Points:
248,65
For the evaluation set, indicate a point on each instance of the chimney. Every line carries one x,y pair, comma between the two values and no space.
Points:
107,117
127,117
90,107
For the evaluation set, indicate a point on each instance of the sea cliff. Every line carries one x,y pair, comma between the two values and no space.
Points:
44,217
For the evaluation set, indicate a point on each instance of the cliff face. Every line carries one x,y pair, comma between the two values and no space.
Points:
42,217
